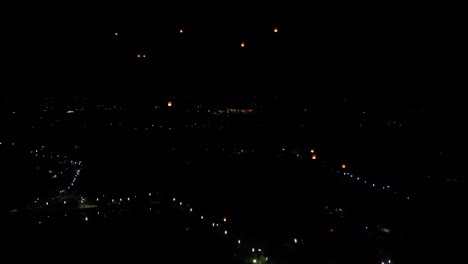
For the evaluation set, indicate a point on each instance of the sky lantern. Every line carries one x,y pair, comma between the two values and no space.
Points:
138,55
144,55
314,157
169,104
224,219
181,31
343,166
242,44
312,151
275,30
116,34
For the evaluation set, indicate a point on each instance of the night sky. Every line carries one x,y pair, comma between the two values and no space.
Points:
245,98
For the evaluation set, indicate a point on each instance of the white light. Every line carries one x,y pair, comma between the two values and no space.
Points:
149,194
259,250
213,224
266,258
97,199
46,203
295,240
225,232
238,241
254,261
128,199
86,219
180,203
201,217
389,261
64,202
253,249
190,209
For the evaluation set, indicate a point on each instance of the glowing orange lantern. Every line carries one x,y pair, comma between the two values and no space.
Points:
138,55
242,44
169,104
275,30
312,151
224,219
116,34
343,166
314,157
181,31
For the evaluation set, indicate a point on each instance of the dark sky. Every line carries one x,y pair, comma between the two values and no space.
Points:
397,51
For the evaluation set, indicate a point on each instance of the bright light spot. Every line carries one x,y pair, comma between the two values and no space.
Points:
149,194
181,31
242,44
70,112
275,30
259,250
64,202
116,34
138,55
314,157
190,209
128,199
224,219
312,151
295,240
343,166
174,199
97,199
332,230
225,232
86,219
213,224
180,203
389,261
238,242
254,260
253,249
169,104
201,217
144,55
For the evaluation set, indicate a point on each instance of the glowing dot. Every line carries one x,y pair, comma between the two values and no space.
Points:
295,240
275,30
138,55
224,219
254,261
312,151
86,219
169,104
181,31
343,166
314,157
225,232
242,44
116,34
144,55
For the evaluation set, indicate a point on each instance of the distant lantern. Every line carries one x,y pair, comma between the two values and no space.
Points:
169,104
144,55
242,44
181,31
116,34
138,55
224,219
314,157
70,112
343,166
275,30
312,151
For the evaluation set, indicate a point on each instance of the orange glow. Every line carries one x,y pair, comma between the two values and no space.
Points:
70,112
242,44
343,166
181,31
224,219
275,30
169,104
314,157
312,151
116,34
138,55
